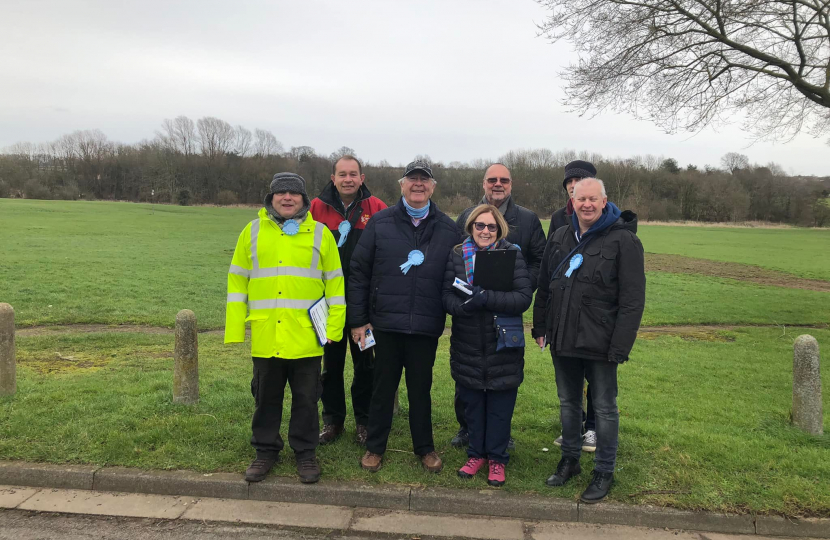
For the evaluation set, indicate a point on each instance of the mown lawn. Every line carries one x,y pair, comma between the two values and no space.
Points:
703,416
125,263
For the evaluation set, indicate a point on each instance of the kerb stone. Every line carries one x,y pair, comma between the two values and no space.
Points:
779,526
216,485
8,367
46,475
186,369
492,503
652,516
332,493
807,408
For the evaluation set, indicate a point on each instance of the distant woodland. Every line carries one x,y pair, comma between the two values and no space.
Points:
211,162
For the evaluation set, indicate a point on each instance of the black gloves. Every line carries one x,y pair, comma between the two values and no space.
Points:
477,300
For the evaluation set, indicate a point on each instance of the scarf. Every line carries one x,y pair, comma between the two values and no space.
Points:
504,203
416,213
299,217
468,251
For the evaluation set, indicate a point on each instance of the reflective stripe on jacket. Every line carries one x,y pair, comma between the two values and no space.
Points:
274,278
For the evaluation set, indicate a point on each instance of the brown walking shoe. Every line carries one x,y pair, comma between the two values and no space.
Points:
258,469
432,462
309,470
330,433
361,435
371,461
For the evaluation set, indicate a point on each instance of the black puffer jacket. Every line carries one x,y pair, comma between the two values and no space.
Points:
474,362
594,314
380,293
560,218
526,232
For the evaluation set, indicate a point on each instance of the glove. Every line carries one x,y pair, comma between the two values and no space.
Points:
616,358
477,300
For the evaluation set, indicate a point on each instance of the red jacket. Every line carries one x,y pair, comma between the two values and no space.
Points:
327,208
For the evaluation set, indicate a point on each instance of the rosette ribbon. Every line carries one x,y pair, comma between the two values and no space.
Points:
415,258
344,228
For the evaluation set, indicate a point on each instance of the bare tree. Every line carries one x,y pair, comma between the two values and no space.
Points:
179,134
267,144
242,142
685,64
342,151
215,137
734,161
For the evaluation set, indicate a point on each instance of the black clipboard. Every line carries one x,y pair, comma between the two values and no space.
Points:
494,269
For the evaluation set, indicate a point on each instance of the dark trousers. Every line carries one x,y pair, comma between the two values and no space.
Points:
395,353
334,395
588,417
602,376
268,389
488,416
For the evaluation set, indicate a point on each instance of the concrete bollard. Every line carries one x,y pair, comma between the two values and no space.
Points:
8,367
186,369
807,409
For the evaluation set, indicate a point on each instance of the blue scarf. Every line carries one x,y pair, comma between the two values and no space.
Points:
417,213
609,216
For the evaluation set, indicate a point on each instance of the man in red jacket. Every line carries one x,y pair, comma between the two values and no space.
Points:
345,207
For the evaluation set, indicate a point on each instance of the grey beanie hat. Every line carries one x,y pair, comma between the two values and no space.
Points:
578,169
285,181
282,183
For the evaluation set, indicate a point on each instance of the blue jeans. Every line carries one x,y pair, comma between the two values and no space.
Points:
602,383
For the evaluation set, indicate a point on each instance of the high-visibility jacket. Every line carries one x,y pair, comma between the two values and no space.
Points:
274,279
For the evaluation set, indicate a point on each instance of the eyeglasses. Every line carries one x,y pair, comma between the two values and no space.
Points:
492,227
504,181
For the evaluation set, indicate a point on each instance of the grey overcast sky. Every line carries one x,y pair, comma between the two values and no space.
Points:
454,79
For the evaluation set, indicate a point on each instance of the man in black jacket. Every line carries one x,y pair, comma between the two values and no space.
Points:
526,233
395,291
574,172
588,309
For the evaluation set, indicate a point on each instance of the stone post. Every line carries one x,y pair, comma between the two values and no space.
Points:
396,408
8,367
186,369
807,410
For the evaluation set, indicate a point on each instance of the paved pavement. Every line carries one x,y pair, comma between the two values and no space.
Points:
35,513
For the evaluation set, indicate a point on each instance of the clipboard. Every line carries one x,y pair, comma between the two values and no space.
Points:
319,314
493,270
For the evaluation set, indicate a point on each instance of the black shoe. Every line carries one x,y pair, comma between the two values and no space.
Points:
511,444
309,470
461,439
565,470
258,469
598,488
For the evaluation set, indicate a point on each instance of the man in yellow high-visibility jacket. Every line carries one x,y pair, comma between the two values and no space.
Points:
284,262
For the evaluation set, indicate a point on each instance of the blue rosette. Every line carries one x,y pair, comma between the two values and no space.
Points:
291,227
344,228
576,262
415,258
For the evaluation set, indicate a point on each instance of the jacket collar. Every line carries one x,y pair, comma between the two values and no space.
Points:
507,208
307,225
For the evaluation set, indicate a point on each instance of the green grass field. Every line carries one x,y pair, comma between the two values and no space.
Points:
704,412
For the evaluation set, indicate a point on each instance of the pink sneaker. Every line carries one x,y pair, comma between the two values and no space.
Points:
496,476
471,467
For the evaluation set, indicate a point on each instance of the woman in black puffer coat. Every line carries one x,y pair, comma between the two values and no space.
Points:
488,380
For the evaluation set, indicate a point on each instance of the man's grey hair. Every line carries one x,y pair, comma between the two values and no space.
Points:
403,179
496,163
597,180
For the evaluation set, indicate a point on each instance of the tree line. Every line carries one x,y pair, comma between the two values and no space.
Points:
212,162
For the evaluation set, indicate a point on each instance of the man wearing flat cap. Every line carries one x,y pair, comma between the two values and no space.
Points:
284,263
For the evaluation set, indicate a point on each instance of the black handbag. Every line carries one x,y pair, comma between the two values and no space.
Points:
510,331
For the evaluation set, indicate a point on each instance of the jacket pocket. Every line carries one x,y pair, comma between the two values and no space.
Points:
595,325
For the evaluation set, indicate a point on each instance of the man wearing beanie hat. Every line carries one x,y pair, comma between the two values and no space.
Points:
284,263
574,171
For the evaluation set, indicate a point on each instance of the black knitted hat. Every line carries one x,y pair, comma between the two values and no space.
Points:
578,169
285,181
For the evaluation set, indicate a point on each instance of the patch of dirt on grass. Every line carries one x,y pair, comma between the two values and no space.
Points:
59,363
677,264
688,333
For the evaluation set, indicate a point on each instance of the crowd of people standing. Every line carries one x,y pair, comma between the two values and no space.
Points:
390,275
